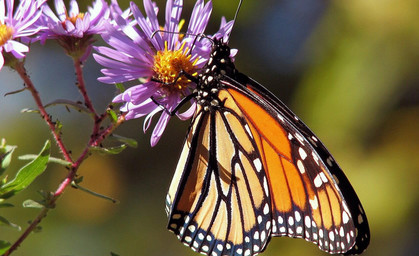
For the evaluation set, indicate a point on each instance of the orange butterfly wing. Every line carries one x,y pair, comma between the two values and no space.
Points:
306,201
250,169
216,202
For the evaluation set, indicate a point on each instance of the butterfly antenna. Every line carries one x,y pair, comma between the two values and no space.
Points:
236,14
171,32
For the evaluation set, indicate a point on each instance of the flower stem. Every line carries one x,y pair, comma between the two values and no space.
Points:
96,138
82,87
65,183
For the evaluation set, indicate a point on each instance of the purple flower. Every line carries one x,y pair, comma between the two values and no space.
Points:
17,26
74,29
157,55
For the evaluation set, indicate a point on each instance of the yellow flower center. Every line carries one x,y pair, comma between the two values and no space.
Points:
168,64
6,33
73,19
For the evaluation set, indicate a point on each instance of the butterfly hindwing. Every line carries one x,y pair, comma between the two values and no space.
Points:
222,207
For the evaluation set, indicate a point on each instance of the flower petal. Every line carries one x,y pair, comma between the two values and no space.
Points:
159,129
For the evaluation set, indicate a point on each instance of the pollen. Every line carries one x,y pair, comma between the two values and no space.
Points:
169,64
73,19
6,33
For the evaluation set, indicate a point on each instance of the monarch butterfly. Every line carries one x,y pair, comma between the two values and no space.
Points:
250,170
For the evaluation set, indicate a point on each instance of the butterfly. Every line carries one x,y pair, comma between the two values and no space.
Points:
250,170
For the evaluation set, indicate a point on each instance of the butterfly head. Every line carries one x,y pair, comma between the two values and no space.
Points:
219,63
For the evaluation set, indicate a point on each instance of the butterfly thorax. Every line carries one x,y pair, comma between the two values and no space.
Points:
218,66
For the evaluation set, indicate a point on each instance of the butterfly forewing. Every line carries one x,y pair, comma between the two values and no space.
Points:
305,199
350,203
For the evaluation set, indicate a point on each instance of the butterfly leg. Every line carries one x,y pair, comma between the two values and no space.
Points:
179,105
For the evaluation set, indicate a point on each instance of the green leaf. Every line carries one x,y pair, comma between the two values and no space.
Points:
29,110
32,204
76,105
58,126
27,174
114,254
51,159
4,246
113,116
109,151
6,152
130,142
4,221
120,87
15,92
75,184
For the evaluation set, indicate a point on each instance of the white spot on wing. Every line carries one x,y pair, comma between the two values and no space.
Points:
345,217
266,209
299,230
220,247
301,139
263,236
323,177
314,203
256,235
297,216
301,167
303,153
201,236
291,220
280,220
316,159
248,130
258,164
318,181
290,137
332,236
307,220
255,248
280,117
265,186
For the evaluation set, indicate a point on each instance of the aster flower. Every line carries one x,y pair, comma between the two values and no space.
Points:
17,26
73,29
157,54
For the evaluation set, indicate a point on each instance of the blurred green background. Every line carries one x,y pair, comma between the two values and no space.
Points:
349,69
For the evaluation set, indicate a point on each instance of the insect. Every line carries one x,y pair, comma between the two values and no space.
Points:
250,170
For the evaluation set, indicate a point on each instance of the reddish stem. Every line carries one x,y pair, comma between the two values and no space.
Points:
22,72
96,138
82,87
